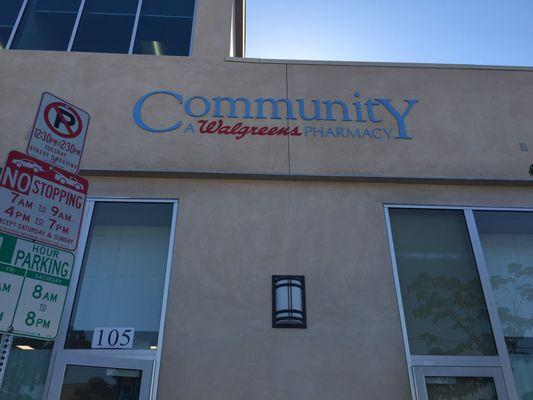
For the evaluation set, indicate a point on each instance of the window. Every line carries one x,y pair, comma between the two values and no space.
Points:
442,297
465,288
125,263
9,10
106,26
507,242
26,367
159,27
122,272
46,25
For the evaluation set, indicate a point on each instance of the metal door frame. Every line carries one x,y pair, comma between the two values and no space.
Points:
502,359
67,358
420,373
154,356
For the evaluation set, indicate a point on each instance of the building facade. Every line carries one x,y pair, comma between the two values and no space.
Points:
398,197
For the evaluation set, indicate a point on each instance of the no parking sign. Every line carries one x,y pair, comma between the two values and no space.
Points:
58,133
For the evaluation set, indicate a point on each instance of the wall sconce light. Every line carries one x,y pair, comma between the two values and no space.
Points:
288,301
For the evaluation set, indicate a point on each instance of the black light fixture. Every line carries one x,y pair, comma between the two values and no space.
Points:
288,301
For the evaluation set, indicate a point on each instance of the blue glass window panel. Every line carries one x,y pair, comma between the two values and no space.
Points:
104,33
9,10
106,26
163,36
443,302
111,6
4,36
46,25
181,8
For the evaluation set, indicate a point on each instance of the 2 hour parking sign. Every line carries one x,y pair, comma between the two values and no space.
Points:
41,202
58,133
34,281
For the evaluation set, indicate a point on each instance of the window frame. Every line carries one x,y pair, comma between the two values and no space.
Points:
59,350
77,23
502,360
420,373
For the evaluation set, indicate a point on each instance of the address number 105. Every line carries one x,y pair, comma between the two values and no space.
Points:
113,338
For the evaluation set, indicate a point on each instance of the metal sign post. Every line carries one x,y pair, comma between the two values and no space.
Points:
41,199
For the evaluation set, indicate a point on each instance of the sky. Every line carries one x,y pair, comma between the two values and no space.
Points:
482,32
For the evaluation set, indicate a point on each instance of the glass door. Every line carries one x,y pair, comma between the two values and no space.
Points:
100,377
109,345
459,383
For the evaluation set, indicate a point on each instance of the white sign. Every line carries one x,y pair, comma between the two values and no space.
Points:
41,202
58,133
34,281
113,338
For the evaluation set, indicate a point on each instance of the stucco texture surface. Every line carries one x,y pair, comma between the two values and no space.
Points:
233,235
467,123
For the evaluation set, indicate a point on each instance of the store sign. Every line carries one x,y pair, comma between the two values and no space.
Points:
113,338
41,202
357,118
34,281
58,133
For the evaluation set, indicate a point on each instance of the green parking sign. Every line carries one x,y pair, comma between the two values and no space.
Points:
34,281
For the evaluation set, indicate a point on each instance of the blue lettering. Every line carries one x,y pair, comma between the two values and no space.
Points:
367,133
189,128
137,111
275,108
232,107
206,103
402,132
340,131
301,109
354,134
309,129
375,133
370,110
329,132
329,110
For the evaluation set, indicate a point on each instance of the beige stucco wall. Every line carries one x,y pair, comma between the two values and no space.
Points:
233,235
468,122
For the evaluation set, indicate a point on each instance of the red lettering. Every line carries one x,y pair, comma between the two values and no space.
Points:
240,130
295,132
283,131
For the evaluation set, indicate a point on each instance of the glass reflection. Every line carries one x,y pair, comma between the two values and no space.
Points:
46,25
9,10
460,388
26,369
165,28
507,242
125,264
95,383
443,301
105,26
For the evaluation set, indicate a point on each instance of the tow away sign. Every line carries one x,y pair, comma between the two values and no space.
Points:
34,281
58,133
41,202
